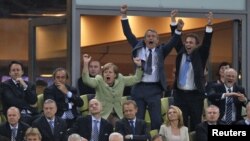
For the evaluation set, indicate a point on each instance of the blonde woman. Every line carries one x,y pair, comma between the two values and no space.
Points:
174,129
32,134
109,87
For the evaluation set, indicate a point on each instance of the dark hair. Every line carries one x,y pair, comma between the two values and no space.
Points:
193,35
16,62
221,65
127,102
60,69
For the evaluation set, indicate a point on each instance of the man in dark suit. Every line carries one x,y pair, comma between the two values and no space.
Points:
148,92
19,93
229,97
13,129
212,114
93,127
51,127
130,127
65,96
94,69
189,76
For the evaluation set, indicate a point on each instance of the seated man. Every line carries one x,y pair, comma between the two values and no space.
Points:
93,127
131,127
115,136
51,127
212,114
19,93
65,96
13,128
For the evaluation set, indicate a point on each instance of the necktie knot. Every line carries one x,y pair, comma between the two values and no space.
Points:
229,90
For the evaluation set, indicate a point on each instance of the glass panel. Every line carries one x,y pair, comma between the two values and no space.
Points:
13,45
51,50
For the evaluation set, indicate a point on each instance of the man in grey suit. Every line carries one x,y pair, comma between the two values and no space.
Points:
148,92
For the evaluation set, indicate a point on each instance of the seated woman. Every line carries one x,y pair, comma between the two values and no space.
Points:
32,134
174,129
109,87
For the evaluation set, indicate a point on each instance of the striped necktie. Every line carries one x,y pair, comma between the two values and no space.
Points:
229,109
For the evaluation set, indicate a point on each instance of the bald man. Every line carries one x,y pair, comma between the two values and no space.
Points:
13,128
229,97
86,126
115,136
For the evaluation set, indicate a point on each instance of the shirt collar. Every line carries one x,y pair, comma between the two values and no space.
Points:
94,118
11,127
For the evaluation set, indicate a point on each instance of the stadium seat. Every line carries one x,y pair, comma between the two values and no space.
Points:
164,107
40,101
153,132
84,110
2,117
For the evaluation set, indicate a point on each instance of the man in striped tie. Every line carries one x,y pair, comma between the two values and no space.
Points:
229,97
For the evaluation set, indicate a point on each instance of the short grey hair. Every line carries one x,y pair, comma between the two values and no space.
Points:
115,135
75,137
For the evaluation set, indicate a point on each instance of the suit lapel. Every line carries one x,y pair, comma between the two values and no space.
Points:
128,127
46,126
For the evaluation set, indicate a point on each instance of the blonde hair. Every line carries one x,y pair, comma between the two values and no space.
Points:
179,114
32,132
112,66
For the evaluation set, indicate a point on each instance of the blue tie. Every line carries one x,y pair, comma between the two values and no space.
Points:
95,131
148,69
51,124
183,71
131,122
229,104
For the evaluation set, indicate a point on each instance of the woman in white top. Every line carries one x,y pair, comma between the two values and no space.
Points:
174,129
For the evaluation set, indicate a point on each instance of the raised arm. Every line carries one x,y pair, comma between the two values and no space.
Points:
175,25
126,27
131,80
92,82
207,39
175,39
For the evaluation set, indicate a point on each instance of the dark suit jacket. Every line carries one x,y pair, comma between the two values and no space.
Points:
201,130
216,93
6,131
60,128
141,131
198,58
162,50
14,96
84,89
52,92
83,127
